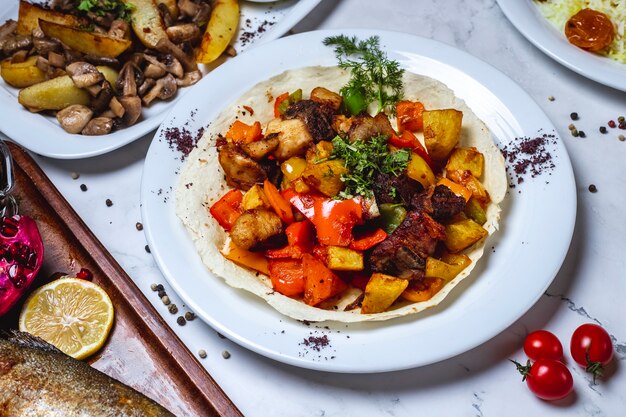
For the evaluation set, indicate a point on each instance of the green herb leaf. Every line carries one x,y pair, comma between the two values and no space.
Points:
118,8
372,72
364,159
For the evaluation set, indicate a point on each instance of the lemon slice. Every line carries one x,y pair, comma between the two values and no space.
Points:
72,314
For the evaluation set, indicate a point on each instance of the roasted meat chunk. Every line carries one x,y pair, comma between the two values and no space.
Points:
293,137
364,126
440,202
259,149
241,171
318,118
324,96
255,227
404,253
390,188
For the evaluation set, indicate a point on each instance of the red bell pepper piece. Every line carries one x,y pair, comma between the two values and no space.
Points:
301,239
359,281
227,209
279,99
334,220
288,252
408,140
368,240
410,115
278,202
320,282
303,202
302,235
287,276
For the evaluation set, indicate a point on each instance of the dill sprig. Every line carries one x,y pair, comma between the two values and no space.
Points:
364,159
378,77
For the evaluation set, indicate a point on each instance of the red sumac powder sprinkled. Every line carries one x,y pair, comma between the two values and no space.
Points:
182,140
528,156
316,342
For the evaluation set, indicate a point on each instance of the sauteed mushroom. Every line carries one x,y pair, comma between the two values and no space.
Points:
98,126
84,74
74,118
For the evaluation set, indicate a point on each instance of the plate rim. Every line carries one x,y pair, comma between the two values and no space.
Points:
334,367
596,68
43,126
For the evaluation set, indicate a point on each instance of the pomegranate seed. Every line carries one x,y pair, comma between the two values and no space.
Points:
611,123
85,274
9,226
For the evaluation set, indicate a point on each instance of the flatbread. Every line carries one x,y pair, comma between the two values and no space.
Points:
202,169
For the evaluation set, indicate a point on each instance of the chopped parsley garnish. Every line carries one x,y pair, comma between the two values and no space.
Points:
376,76
364,159
118,8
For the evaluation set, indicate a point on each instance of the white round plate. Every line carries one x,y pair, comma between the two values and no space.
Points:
527,18
535,232
43,135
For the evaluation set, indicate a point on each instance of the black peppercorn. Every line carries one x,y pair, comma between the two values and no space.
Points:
603,129
574,116
593,188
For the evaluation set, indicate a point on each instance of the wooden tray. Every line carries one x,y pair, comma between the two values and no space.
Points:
142,351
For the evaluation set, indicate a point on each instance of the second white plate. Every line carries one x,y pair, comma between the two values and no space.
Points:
534,236
525,16
43,135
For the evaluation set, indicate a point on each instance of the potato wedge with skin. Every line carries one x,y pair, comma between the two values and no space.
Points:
462,234
22,74
466,159
442,129
220,30
90,43
30,14
344,259
58,93
380,293
147,23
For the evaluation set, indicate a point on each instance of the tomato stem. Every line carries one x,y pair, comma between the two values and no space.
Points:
522,369
594,368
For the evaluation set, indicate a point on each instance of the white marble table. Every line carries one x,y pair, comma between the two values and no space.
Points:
590,287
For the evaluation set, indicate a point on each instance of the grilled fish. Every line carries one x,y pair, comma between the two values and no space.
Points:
36,379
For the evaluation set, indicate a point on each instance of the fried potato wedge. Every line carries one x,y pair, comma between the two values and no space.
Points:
326,176
466,159
58,93
147,23
463,234
30,14
90,43
22,74
344,259
436,268
442,129
381,291
220,30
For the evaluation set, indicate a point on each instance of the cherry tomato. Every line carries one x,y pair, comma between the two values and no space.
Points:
542,344
590,29
547,379
592,348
